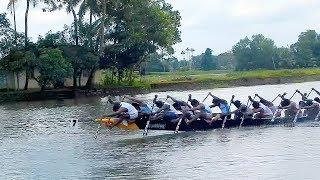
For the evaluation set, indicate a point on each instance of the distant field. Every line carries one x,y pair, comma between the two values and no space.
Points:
204,76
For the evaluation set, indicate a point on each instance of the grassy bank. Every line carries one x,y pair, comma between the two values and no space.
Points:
175,81
225,76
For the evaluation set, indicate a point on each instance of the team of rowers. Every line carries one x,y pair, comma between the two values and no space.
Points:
196,110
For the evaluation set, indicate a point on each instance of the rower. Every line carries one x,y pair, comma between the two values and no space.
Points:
317,98
242,110
142,107
124,112
291,108
223,106
267,103
182,106
200,110
261,110
312,108
304,97
166,112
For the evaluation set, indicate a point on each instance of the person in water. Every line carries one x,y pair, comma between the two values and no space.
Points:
267,103
166,112
200,110
124,112
261,110
222,105
242,110
142,107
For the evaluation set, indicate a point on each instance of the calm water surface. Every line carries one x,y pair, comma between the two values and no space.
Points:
37,141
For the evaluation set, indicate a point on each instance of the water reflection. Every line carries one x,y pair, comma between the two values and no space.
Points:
38,141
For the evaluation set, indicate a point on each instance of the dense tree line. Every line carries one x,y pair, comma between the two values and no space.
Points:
205,62
260,52
257,52
108,34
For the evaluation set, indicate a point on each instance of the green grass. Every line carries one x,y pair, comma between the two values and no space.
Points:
220,76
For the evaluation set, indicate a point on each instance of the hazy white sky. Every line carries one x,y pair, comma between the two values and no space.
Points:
217,24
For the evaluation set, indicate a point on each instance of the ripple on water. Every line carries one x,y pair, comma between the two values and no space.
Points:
38,141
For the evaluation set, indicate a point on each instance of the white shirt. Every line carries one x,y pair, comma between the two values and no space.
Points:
132,111
273,109
266,111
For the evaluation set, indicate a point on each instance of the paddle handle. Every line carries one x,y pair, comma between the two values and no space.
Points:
310,92
206,97
145,132
242,120
317,117
296,116
178,126
225,118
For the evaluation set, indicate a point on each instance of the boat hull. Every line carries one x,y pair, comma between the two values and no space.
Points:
201,125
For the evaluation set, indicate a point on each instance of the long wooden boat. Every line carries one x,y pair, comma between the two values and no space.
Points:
201,125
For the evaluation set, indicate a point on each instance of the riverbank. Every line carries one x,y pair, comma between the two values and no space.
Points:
210,80
175,81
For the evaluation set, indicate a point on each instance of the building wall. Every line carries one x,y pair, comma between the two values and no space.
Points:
3,80
9,80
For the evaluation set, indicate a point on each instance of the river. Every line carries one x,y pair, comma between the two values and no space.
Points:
37,141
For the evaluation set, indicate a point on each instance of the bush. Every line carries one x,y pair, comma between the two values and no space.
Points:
53,68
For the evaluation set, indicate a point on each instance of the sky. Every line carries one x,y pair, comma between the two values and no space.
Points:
215,24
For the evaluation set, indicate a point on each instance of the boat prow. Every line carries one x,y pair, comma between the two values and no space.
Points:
110,122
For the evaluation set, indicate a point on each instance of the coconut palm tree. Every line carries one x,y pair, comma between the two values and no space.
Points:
70,5
93,7
12,8
51,6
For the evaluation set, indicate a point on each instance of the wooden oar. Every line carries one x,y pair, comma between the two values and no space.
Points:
96,135
277,111
226,116
310,92
296,117
275,99
145,133
179,123
242,118
293,95
317,117
206,97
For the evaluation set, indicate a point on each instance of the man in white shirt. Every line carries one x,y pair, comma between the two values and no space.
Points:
123,112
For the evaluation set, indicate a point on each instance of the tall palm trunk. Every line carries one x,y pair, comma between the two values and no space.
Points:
91,36
76,37
102,38
75,79
14,21
102,43
18,81
26,42
26,25
75,19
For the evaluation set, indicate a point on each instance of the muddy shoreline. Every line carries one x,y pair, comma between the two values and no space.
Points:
161,87
184,86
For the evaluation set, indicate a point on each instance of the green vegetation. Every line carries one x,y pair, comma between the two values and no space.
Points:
118,35
248,54
218,78
132,39
225,76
